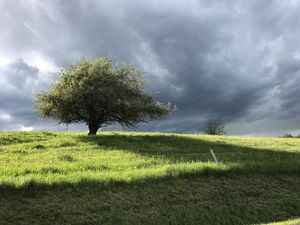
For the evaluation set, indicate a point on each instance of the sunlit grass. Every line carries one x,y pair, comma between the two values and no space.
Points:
69,157
288,222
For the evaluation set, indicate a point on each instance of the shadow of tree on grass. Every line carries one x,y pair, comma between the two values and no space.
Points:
181,200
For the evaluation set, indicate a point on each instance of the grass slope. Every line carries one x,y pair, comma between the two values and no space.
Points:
147,178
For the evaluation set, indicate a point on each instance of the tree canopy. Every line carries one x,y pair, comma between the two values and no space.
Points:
213,128
99,92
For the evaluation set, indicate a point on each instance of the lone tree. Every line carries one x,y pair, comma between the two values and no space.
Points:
98,93
213,128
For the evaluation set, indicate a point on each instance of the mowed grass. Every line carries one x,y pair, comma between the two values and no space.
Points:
147,178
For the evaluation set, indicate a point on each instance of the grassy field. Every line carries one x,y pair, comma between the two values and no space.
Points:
147,178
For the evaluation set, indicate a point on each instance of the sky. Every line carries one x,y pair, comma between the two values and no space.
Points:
236,61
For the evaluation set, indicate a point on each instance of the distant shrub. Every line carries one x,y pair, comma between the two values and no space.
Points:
214,128
286,136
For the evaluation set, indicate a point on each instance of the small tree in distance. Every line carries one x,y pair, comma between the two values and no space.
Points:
98,93
214,128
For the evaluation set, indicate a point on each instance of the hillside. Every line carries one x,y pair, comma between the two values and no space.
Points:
147,178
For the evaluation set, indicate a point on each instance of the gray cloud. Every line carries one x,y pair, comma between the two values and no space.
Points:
238,62
18,83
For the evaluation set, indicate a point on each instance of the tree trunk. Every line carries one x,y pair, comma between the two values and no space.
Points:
93,128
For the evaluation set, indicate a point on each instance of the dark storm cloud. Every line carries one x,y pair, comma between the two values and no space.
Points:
289,88
236,62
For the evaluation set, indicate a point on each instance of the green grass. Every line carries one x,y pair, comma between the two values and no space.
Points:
147,178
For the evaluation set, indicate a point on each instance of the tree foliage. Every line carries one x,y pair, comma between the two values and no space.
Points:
99,92
213,128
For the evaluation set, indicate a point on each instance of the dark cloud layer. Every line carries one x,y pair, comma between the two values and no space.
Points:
238,63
